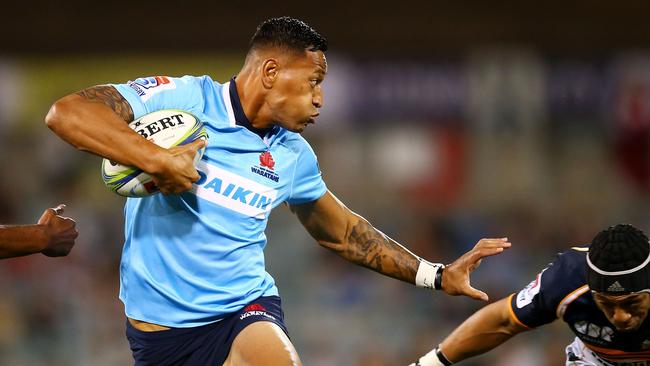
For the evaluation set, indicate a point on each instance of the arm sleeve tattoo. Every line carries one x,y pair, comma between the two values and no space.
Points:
370,248
111,97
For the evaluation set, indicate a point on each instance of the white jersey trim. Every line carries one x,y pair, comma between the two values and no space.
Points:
568,299
225,93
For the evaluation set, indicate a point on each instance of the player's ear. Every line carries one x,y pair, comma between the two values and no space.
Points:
269,72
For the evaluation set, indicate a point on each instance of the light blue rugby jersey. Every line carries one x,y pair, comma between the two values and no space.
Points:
193,258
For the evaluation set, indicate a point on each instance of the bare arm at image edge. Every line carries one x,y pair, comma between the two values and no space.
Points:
53,235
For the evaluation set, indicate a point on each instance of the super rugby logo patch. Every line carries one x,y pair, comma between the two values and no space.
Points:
266,166
147,87
255,310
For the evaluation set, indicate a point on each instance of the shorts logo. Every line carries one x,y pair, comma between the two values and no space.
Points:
254,307
255,310
147,87
266,166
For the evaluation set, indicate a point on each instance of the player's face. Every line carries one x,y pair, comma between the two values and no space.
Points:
296,96
625,312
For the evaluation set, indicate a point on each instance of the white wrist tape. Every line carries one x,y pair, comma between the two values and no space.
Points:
426,275
433,358
430,359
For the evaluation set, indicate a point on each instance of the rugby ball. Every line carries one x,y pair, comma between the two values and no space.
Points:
166,128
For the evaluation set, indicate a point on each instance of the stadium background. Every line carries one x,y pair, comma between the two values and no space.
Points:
443,123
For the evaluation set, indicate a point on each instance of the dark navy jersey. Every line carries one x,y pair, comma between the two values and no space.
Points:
561,291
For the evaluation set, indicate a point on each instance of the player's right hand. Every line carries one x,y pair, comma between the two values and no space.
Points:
177,171
60,232
455,276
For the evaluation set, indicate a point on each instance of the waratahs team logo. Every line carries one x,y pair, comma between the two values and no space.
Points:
266,166
255,310
254,307
147,87
266,159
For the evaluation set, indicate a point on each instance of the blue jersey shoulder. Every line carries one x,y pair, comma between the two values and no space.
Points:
307,184
150,94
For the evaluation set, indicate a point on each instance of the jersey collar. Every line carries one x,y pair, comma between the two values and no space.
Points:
240,116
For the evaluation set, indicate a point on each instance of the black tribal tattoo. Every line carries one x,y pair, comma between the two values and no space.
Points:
372,249
111,97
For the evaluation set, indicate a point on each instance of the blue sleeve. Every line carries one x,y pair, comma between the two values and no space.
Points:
307,184
537,304
150,94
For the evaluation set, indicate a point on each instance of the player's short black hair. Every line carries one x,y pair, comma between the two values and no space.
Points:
619,248
288,33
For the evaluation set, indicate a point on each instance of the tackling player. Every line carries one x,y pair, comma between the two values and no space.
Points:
602,292
53,236
193,280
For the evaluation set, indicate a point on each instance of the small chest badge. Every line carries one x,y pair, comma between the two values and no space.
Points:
266,159
265,169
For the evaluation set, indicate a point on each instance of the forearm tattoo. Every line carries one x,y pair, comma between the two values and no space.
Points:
370,248
111,97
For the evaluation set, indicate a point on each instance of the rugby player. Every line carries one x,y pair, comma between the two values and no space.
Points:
53,235
193,280
602,292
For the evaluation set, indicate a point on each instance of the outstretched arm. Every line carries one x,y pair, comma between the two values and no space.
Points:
483,331
94,120
352,237
53,236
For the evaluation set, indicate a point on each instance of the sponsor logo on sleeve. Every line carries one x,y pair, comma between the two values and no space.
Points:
148,87
525,296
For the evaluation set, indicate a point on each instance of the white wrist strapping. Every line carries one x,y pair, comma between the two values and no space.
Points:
426,275
433,358
430,359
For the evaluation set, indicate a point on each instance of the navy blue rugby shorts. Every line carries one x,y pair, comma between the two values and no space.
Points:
204,345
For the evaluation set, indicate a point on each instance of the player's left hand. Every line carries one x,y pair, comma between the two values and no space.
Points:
455,276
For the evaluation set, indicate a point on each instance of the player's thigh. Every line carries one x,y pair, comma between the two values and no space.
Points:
262,344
